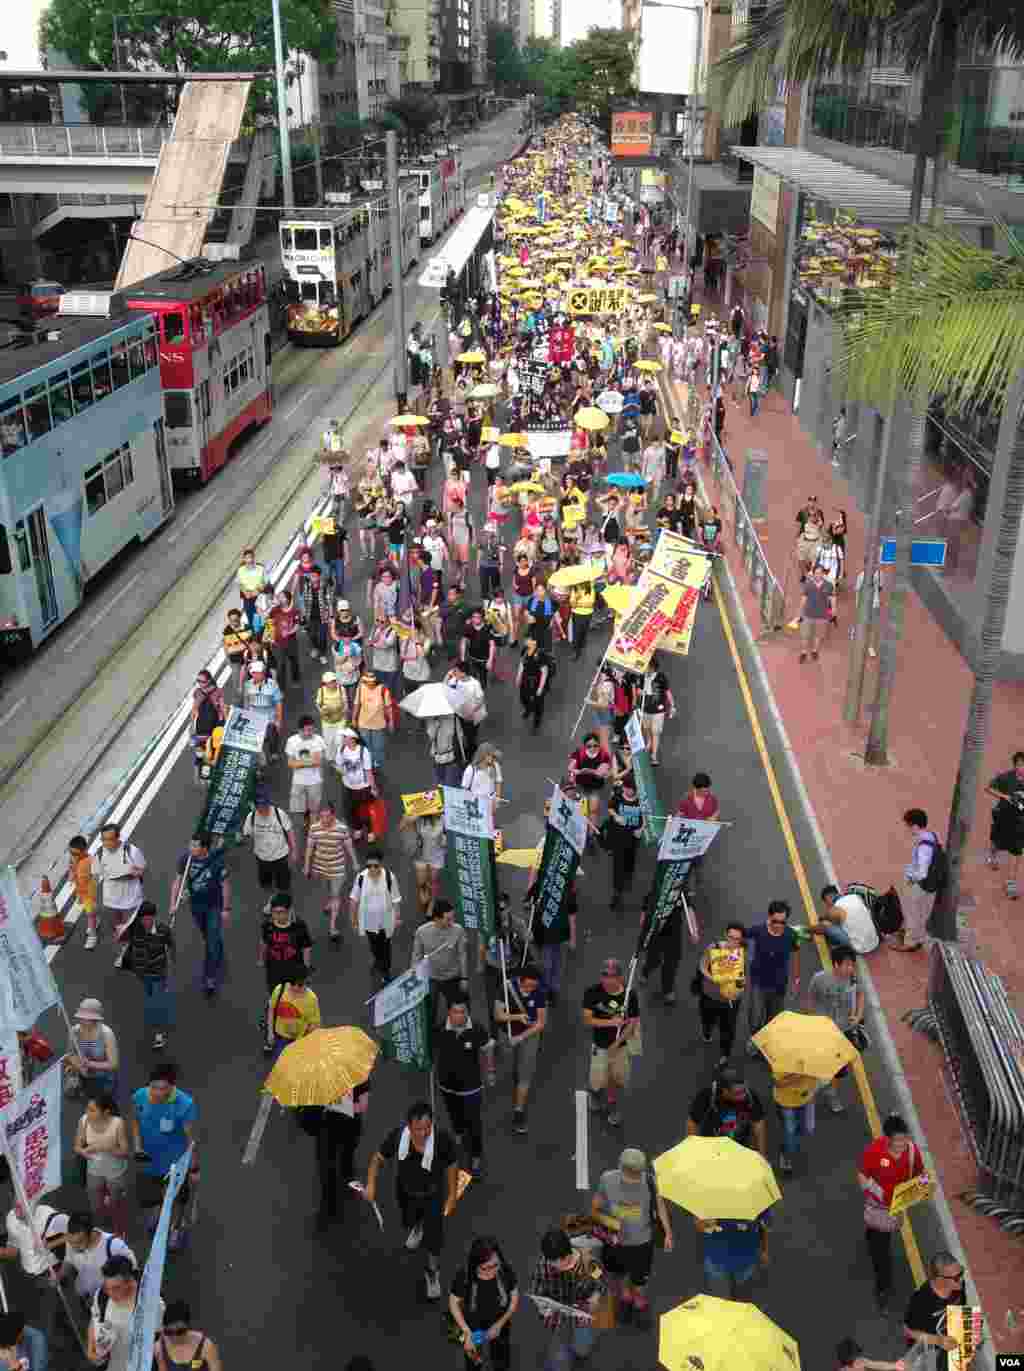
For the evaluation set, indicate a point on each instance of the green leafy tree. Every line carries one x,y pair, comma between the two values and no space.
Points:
417,112
204,35
602,67
505,59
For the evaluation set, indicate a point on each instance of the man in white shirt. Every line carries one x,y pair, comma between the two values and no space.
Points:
467,699
119,866
23,1246
403,484
375,901
304,752
88,1249
847,921
434,546
273,844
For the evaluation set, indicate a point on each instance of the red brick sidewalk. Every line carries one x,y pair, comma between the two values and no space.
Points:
859,809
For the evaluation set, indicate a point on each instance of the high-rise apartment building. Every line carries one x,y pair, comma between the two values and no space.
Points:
419,22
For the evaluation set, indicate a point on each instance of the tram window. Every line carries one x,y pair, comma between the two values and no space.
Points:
113,476
101,380
60,398
95,489
37,412
21,541
309,292
126,463
291,292
174,326
195,317
81,386
243,368
119,365
286,240
6,566
325,238
328,295
305,240
138,362
424,212
12,426
151,353
178,408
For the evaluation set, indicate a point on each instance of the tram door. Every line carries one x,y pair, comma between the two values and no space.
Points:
39,542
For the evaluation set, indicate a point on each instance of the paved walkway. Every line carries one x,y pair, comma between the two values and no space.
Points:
859,808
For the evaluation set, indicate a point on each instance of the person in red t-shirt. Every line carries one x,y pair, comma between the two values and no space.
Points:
589,768
885,1164
285,618
699,802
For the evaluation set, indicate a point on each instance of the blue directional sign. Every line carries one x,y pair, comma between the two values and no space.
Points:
923,552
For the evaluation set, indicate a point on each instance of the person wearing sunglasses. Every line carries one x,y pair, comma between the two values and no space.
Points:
925,1319
773,969
179,1344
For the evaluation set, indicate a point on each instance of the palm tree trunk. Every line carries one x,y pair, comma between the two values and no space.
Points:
876,753
1009,452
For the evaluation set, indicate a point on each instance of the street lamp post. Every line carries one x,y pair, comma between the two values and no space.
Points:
287,185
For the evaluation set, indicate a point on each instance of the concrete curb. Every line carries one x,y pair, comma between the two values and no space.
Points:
985,1357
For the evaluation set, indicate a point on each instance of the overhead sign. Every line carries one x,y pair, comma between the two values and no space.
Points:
632,133
923,552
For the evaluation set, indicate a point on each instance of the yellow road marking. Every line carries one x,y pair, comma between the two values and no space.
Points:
867,1096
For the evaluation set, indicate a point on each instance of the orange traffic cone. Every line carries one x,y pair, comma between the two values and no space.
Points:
49,923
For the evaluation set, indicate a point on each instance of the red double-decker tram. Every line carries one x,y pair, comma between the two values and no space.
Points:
214,336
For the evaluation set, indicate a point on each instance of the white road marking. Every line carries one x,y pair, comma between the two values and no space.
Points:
180,528
258,1128
98,618
582,1141
13,710
289,412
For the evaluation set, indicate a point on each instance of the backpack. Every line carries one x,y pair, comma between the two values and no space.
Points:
207,718
937,877
887,913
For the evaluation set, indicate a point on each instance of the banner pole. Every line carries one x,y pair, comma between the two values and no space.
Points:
181,890
504,982
629,991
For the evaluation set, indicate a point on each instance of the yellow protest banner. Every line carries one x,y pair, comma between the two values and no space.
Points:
727,966
679,561
639,630
911,1192
320,525
422,802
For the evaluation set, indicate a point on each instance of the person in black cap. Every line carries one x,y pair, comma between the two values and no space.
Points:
728,1108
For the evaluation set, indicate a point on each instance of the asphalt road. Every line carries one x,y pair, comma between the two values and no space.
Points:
257,1271
37,700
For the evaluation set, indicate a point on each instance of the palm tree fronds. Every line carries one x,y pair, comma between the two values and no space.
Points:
953,325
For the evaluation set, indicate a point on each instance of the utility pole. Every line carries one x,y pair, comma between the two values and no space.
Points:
397,288
288,188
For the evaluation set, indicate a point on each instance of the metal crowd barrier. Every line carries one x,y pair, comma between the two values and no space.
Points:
765,585
981,1037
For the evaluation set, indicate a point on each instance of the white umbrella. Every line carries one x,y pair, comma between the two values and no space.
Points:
430,701
610,401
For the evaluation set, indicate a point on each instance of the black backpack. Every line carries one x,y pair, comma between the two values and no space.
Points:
207,718
937,877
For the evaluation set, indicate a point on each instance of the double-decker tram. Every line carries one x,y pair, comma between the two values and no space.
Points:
84,469
214,332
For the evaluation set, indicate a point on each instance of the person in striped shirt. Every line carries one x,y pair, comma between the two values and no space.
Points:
331,858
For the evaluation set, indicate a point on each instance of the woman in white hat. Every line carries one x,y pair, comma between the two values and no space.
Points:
96,1056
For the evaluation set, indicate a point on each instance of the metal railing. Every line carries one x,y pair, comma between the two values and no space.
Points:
764,583
977,1031
85,141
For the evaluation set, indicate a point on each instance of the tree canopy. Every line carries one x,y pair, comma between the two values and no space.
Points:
416,113
590,75
205,35
506,60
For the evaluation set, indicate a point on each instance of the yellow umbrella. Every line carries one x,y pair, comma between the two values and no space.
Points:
530,283
526,487
719,1335
647,298
409,420
321,1067
489,434
648,366
618,598
516,271
805,1045
663,328
591,418
717,1178
514,440
475,357
487,390
569,576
